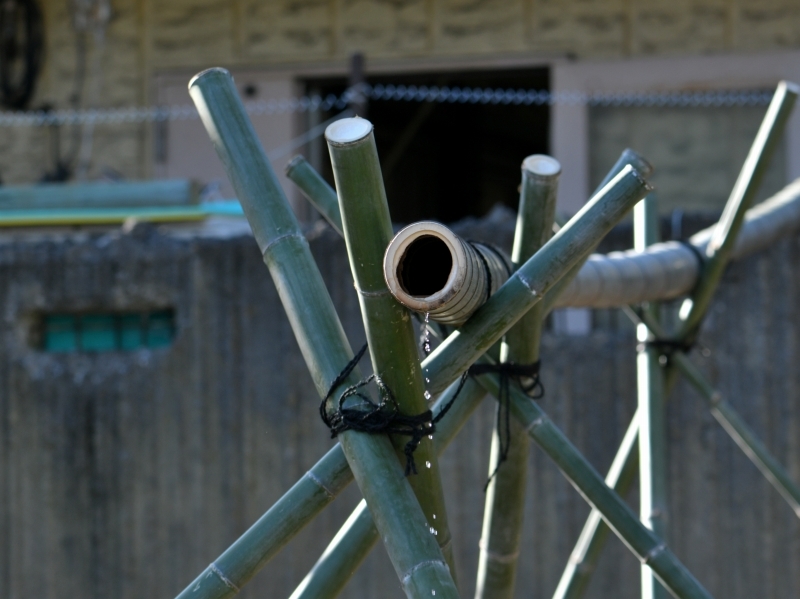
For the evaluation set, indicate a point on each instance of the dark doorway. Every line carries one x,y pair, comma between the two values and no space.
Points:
446,161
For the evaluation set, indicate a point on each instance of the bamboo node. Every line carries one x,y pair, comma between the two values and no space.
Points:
431,562
213,567
279,238
500,558
315,479
653,553
535,424
529,284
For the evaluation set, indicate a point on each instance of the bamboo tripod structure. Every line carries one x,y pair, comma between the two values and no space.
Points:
408,512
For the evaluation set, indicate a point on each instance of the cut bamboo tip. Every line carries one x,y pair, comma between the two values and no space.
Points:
202,74
430,270
542,165
347,131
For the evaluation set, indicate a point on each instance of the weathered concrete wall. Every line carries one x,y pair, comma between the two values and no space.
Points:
145,38
125,474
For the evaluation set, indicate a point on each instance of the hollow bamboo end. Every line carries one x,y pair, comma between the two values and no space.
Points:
293,163
542,165
790,86
429,242
348,131
207,73
638,162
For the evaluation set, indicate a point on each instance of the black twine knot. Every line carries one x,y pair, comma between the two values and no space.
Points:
527,377
667,347
383,417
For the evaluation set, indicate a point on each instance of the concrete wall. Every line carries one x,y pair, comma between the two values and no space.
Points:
125,474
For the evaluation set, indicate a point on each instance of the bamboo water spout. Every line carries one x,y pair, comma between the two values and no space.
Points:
431,270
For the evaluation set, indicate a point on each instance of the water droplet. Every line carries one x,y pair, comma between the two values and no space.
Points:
427,394
430,437
433,592
428,464
433,532
427,380
434,516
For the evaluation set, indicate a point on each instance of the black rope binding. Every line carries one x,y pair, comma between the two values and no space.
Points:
527,377
384,417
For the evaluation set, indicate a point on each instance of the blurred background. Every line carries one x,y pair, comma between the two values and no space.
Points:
153,401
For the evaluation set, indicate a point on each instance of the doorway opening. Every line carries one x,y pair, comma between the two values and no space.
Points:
446,161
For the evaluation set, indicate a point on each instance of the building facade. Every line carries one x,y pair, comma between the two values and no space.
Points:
142,53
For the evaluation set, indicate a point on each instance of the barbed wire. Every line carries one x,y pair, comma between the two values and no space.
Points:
400,93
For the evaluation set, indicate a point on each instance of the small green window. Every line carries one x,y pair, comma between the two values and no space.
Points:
107,331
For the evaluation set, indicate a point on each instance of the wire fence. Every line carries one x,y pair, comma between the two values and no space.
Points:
398,93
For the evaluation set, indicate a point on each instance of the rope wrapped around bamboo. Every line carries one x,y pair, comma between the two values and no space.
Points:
431,270
671,269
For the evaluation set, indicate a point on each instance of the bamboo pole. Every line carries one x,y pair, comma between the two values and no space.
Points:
412,549
355,539
723,240
321,195
505,496
652,423
390,332
642,542
734,425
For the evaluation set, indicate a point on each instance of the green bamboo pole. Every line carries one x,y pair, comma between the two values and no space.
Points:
358,535
733,424
505,496
412,549
642,542
627,157
317,191
720,247
390,331
652,420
